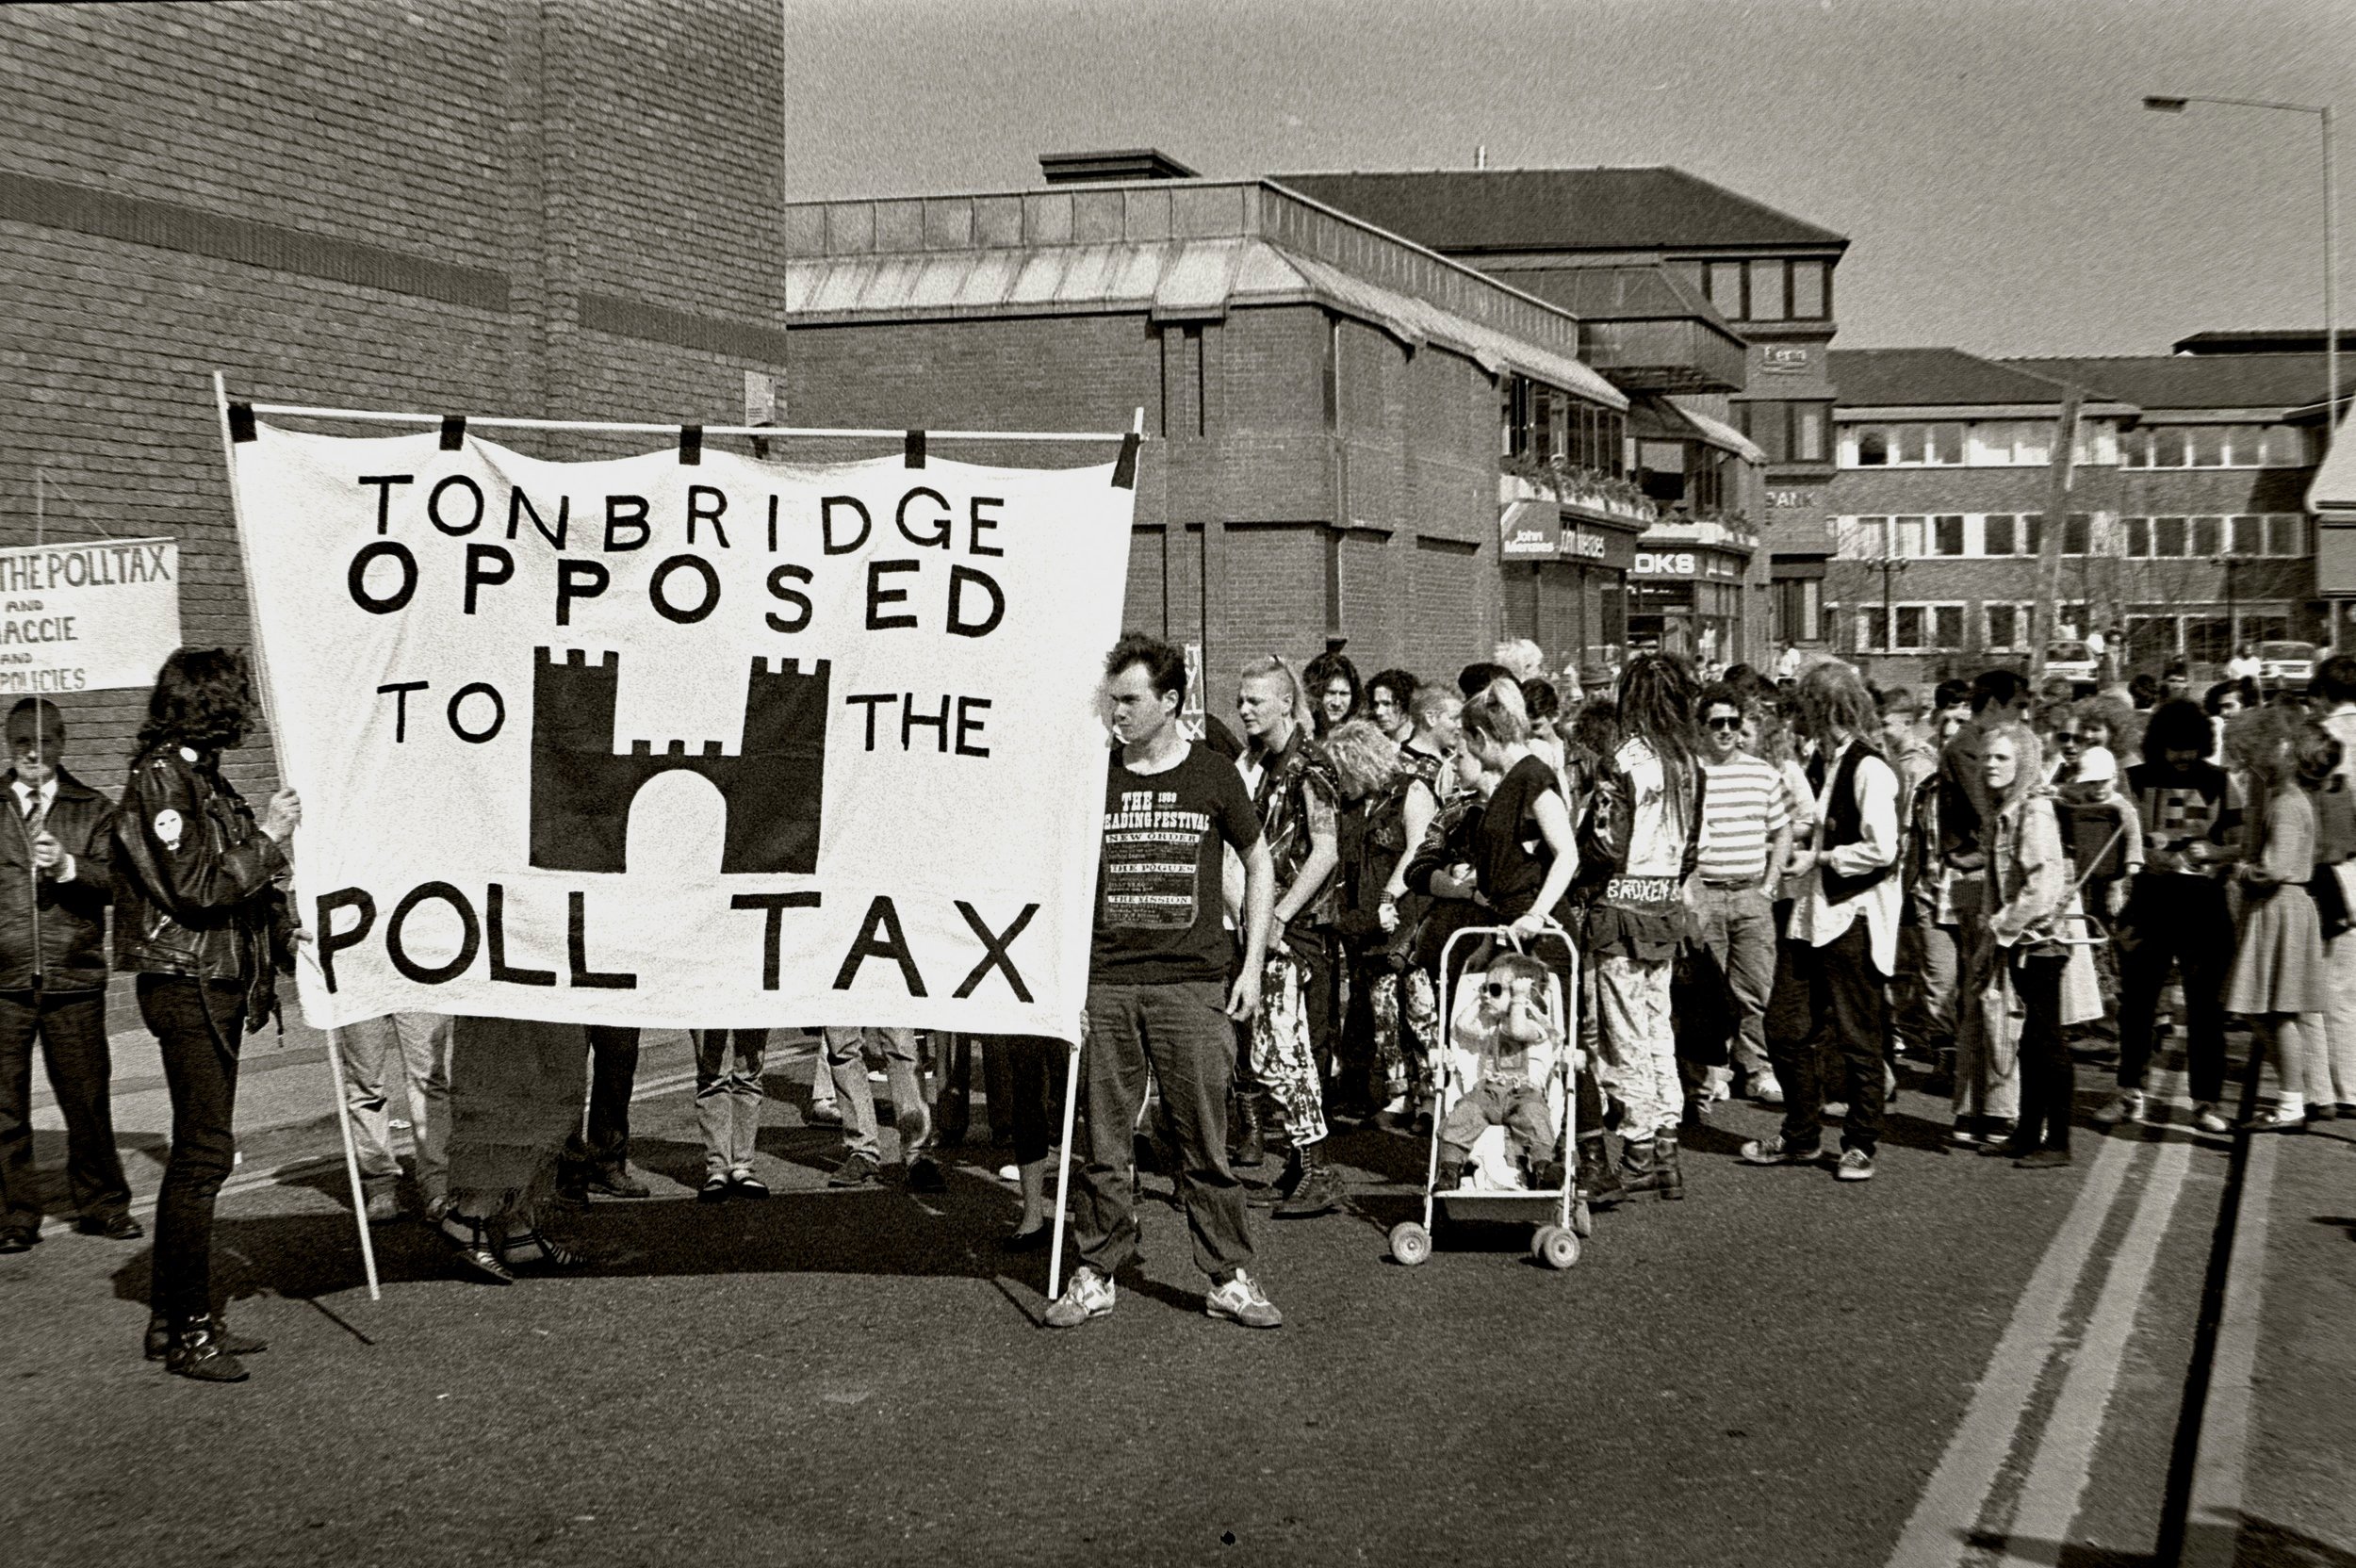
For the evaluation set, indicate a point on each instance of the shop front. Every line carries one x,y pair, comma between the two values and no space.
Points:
1688,599
1566,582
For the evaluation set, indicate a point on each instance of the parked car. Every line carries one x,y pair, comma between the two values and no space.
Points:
2286,663
2074,662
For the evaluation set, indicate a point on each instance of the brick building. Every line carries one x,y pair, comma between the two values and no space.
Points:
1332,406
1710,310
480,206
2186,525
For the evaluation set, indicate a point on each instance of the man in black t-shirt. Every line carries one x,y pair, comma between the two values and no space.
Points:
1159,997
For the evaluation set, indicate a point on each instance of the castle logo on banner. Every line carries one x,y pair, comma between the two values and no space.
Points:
722,745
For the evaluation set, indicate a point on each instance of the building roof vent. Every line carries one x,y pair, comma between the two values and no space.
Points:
1137,163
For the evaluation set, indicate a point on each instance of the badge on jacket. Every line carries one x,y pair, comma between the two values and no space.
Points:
168,827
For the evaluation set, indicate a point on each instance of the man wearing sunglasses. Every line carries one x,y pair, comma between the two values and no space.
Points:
1746,837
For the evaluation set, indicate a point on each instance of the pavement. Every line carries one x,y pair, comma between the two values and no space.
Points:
1958,1363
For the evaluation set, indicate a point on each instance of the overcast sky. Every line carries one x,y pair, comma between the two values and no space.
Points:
2002,186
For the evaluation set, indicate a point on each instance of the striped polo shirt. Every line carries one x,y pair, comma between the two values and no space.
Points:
1747,805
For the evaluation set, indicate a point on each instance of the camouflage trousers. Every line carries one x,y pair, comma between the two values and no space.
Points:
1406,1034
1283,1053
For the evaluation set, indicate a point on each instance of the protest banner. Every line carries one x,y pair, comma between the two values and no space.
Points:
687,738
88,617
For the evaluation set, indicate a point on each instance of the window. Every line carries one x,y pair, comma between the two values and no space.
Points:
1910,629
2282,535
2208,535
1812,291
1947,535
1799,610
2248,537
2283,446
1872,448
1905,537
1872,628
2208,445
1786,431
2170,447
1770,289
2286,535
2077,534
1943,443
2168,536
1998,534
2135,449
2008,626
2208,638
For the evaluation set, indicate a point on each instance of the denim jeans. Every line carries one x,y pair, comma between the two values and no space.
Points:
200,1054
1739,929
846,1058
1179,1034
416,1045
2183,919
72,1028
728,1095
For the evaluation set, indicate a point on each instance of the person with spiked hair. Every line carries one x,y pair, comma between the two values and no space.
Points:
1841,945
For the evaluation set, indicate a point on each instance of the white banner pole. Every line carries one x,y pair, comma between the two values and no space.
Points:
270,713
352,1167
1063,1176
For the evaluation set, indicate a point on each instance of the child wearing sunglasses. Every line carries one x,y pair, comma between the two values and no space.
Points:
1495,1087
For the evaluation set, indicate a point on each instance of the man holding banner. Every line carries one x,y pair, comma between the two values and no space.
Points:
1159,998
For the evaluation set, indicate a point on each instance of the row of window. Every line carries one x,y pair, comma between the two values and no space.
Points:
2248,535
1935,627
1543,424
1777,288
2208,633
2216,447
1969,444
2029,443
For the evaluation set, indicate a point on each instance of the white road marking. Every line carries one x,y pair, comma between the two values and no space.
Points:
2056,1479
1950,1506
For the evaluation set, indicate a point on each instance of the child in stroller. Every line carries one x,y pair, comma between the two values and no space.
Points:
1500,1033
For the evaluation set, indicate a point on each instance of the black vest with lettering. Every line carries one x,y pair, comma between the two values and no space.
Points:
1845,824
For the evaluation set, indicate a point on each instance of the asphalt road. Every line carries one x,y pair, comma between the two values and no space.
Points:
1781,1369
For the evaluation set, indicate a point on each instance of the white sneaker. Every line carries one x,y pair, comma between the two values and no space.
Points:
1766,1090
2208,1117
1088,1295
1241,1300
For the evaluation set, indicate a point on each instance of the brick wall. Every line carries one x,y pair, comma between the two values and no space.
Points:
440,204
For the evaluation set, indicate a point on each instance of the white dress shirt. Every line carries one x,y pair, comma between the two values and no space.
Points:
1817,919
63,871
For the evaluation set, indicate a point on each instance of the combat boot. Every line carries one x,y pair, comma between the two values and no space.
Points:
1599,1183
1668,1176
1318,1193
1638,1173
1250,1143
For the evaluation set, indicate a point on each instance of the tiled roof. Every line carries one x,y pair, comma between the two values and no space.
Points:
1919,378
2194,381
1565,209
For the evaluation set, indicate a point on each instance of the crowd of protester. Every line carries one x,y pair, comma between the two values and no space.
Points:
1778,885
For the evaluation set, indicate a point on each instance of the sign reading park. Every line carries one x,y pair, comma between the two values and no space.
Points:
720,743
88,617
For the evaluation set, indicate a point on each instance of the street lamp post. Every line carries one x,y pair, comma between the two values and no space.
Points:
2164,104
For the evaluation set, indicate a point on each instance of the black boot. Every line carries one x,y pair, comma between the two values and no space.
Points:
1251,1141
195,1351
1599,1183
1287,1181
159,1338
1317,1191
1668,1177
1638,1173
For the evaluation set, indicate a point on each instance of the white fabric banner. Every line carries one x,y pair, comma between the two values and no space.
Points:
734,743
88,617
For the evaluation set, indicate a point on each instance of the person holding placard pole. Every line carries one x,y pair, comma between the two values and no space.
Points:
199,919
52,983
1159,997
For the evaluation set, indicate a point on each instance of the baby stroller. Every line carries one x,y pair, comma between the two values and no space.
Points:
1492,1190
